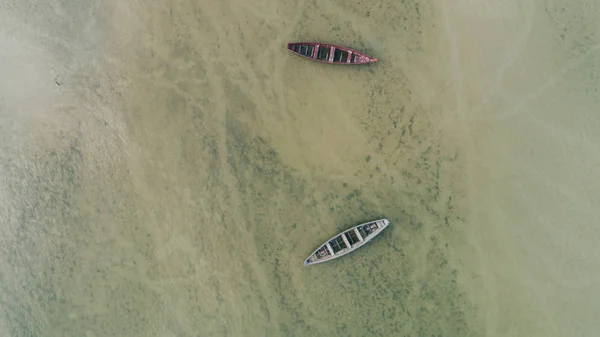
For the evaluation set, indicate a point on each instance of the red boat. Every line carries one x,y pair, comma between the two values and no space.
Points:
329,53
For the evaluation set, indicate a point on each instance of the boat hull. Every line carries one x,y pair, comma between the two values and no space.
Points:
347,241
329,53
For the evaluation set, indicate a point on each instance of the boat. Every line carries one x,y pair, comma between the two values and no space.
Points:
347,241
329,53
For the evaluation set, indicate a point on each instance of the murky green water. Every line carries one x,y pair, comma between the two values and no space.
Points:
167,167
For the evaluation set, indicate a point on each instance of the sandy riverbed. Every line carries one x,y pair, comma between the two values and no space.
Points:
166,167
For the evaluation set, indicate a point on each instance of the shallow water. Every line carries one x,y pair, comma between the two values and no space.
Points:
168,166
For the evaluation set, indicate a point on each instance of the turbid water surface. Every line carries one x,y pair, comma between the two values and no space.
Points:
166,167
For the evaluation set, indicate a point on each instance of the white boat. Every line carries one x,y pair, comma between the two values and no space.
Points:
347,241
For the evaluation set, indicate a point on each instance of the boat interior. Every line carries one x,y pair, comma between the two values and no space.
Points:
305,50
324,52
340,56
352,237
368,229
337,244
322,252
346,240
